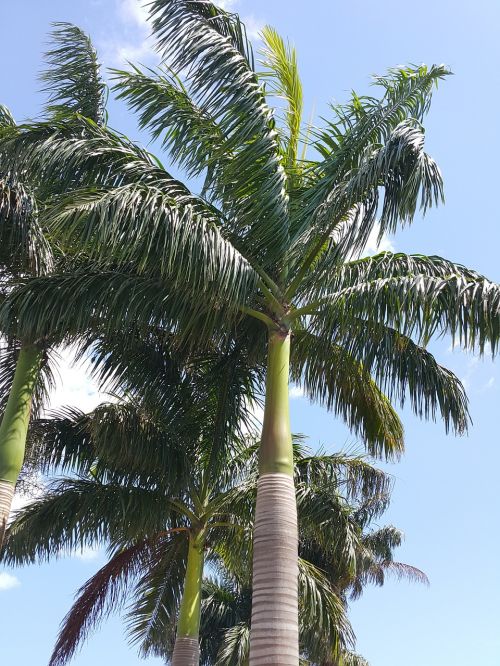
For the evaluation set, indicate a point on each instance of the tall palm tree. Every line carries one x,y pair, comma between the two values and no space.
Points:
74,86
183,507
270,247
226,602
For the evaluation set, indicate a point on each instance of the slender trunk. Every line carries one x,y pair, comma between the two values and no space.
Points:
274,635
14,428
187,649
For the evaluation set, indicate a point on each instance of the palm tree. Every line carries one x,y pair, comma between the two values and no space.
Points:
269,249
184,505
226,602
164,459
24,250
74,86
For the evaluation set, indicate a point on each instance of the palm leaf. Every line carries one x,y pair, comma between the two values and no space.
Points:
418,296
331,376
372,143
223,83
100,596
76,513
282,79
72,78
156,597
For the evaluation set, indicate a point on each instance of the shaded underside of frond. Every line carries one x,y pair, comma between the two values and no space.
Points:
152,612
100,596
23,246
331,376
75,513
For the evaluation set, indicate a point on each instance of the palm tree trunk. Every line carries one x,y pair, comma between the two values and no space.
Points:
274,634
14,427
187,649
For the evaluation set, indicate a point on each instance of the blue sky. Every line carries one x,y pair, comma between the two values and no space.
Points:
446,497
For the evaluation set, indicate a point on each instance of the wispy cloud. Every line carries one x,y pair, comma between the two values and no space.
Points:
133,12
74,387
470,372
8,581
226,5
374,245
296,392
130,39
87,554
489,384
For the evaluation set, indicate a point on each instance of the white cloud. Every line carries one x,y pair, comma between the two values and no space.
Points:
8,581
253,26
133,11
130,39
74,387
226,5
373,245
472,366
296,392
489,384
87,554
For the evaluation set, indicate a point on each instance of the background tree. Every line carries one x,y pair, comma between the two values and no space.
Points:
182,504
344,561
271,242
74,86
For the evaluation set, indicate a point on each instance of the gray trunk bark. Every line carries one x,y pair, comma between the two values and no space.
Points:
274,633
186,652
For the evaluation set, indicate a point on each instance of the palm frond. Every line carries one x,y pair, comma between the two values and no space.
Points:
351,475
403,369
223,83
327,520
100,596
349,658
108,301
60,443
23,246
235,645
324,627
225,605
173,240
418,296
75,513
72,78
331,376
191,135
152,612
373,143
282,79
6,118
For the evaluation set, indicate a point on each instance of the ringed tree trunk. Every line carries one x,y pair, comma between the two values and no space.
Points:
187,648
14,427
274,633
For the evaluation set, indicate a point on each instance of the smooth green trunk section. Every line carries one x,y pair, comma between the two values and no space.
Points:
276,453
15,421
189,613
